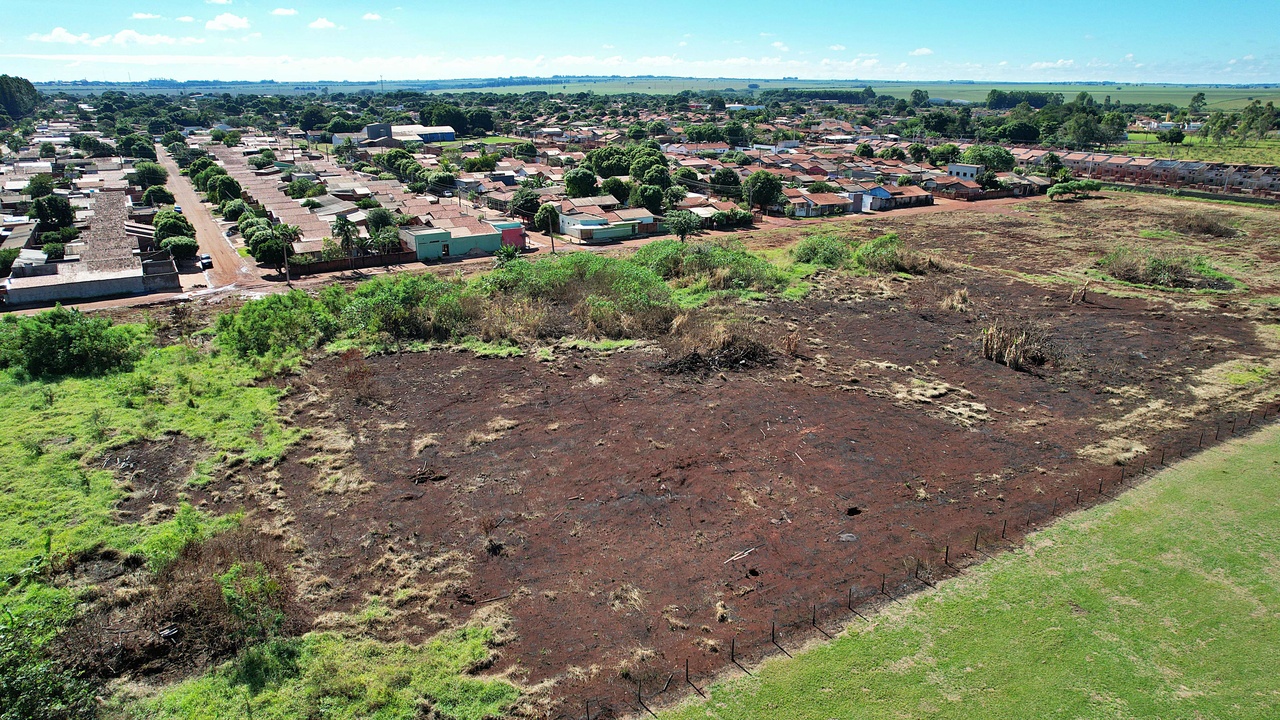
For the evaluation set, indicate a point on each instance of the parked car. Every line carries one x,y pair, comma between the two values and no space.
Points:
206,262
177,209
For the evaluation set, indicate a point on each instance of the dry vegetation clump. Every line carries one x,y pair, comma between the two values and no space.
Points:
216,597
704,349
1020,346
957,301
1199,223
1162,269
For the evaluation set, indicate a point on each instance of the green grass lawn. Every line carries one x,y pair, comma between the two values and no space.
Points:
1163,604
1263,152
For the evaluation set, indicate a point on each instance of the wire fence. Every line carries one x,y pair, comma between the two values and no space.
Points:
797,622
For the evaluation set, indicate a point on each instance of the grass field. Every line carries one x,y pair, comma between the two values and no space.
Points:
1165,603
1219,97
1264,152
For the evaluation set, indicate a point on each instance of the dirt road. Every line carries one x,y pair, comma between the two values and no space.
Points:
228,267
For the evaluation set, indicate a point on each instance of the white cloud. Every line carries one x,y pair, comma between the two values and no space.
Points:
838,48
122,38
227,21
145,16
607,47
284,11
681,44
371,16
185,18
1057,65
781,46
918,52
321,24
218,2
60,35
765,34
1247,57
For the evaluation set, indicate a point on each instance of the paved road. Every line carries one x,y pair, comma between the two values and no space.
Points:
228,267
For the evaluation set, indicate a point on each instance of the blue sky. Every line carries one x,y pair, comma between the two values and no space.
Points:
1170,41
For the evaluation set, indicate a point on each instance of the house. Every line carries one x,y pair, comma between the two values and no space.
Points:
455,237
965,171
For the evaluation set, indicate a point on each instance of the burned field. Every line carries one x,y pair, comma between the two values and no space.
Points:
729,488
627,510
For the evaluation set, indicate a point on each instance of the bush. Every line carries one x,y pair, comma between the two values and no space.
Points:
181,248
33,686
54,251
1175,270
8,257
1202,224
157,195
276,325
822,250
725,266
233,210
65,342
171,223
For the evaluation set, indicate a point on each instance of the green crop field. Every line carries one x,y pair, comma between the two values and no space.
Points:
1162,604
1265,152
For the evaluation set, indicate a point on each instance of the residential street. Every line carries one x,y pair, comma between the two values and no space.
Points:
228,267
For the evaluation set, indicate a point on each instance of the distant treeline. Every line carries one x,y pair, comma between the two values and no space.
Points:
851,97
1001,100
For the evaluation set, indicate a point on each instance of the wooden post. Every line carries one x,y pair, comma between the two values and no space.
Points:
946,556
979,533
1077,496
1003,526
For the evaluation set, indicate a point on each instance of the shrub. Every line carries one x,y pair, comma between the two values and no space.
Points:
233,210
181,248
54,251
1175,270
157,195
1203,224
65,342
34,686
726,266
882,254
822,250
7,257
275,325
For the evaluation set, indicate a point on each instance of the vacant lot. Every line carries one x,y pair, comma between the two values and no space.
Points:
1157,605
599,512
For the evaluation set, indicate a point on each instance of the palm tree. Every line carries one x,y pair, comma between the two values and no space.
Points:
346,232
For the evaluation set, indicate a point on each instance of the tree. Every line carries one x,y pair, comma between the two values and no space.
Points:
526,149
657,127
380,218
864,150
274,251
993,157
48,150
1050,163
1172,136
617,187
231,139
346,232
944,155
53,212
158,195
650,197
547,219
1197,103
181,248
727,182
580,182
893,153
54,251
39,186
1083,130
221,189
762,188
387,240
918,151
148,174
169,223
919,98
682,223
526,201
